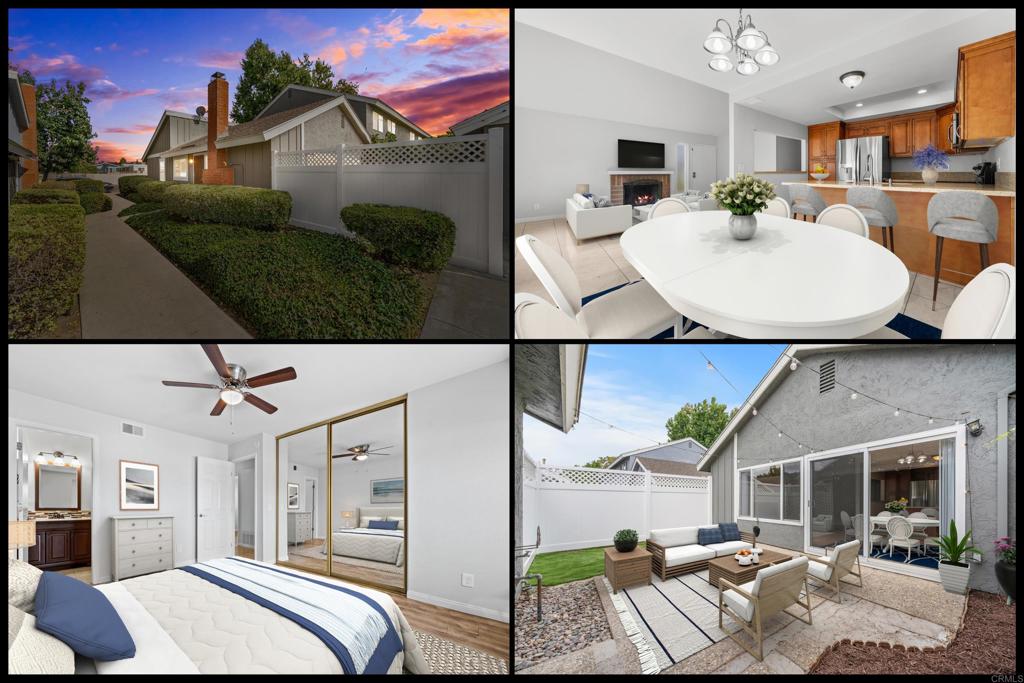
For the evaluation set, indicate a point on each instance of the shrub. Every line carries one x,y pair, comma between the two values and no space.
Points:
126,185
55,185
94,202
45,196
403,235
45,259
141,207
249,207
82,185
153,191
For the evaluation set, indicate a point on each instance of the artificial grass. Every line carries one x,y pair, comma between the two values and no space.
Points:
292,283
570,565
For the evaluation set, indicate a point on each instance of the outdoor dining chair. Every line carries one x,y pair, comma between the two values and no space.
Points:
845,559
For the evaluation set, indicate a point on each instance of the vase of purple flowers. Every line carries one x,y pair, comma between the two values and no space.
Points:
930,160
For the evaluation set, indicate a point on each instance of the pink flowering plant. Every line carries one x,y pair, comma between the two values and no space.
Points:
1007,550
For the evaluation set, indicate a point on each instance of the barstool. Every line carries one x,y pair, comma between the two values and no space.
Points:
878,208
806,201
782,191
961,215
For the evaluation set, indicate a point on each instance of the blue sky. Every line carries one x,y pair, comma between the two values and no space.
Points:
638,387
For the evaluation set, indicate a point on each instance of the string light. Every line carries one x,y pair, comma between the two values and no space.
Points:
755,411
792,366
896,413
853,396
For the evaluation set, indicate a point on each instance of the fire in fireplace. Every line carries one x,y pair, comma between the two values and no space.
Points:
640,192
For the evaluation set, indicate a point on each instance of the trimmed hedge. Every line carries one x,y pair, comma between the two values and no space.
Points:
94,202
249,207
45,260
403,235
83,185
292,284
126,185
153,191
45,196
141,207
54,185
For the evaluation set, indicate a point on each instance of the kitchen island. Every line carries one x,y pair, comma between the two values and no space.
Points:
914,245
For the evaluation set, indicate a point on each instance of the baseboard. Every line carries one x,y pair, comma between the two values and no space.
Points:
517,221
484,612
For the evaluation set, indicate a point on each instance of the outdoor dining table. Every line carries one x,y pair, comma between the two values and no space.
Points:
792,280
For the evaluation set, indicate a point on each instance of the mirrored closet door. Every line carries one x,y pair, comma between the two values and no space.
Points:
302,499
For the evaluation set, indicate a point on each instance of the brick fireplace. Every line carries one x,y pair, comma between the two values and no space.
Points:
619,182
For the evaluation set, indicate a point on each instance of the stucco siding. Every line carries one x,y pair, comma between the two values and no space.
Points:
251,164
330,129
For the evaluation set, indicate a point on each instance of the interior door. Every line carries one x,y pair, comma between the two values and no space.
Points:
703,167
215,514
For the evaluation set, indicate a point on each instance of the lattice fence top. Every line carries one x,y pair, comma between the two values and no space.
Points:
307,157
591,477
456,151
675,482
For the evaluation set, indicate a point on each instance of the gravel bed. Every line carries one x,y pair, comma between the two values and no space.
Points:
985,645
573,619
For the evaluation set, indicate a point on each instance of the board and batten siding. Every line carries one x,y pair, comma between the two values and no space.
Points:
184,130
251,164
288,141
721,487
161,144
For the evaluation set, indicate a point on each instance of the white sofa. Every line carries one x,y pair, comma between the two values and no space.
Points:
587,222
676,551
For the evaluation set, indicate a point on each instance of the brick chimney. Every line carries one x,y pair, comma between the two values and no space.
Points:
29,138
218,172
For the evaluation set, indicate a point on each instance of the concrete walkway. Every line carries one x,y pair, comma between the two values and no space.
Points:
468,305
130,291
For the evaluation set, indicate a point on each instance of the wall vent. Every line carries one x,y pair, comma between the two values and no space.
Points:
130,429
827,377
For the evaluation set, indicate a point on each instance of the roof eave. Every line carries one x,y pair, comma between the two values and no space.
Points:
14,91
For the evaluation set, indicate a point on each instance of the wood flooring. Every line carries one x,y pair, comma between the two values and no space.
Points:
242,551
83,574
343,570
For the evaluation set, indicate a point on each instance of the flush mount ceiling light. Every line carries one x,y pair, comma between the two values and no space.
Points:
922,91
750,45
232,396
851,79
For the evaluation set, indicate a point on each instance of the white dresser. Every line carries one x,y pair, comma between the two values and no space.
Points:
142,544
300,527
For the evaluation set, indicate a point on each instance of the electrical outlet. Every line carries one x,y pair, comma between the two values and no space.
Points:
467,580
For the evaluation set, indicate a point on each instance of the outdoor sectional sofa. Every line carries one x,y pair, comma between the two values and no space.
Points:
676,551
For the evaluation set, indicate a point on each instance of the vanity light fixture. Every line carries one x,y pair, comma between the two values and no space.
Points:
750,45
851,79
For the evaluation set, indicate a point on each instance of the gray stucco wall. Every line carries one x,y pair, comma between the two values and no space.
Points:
329,129
517,470
945,380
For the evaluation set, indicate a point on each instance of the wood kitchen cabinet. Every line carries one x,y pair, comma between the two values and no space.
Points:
986,91
62,544
944,128
900,137
922,131
821,146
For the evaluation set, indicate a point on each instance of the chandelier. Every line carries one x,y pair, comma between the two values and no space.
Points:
750,45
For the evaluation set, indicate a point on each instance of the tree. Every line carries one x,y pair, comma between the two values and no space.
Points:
376,137
702,421
447,134
601,463
266,73
64,128
122,161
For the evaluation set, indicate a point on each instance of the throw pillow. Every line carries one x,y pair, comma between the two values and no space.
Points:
22,580
730,531
30,651
82,617
386,525
400,520
364,522
602,202
709,535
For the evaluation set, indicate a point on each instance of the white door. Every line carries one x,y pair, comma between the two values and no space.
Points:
215,514
703,168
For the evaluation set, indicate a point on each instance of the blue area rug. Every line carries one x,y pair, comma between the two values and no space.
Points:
905,325
898,556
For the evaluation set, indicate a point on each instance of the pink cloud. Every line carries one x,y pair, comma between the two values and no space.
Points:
436,106
61,67
461,29
113,151
458,38
334,53
363,31
105,90
221,59
97,49
301,27
140,52
137,129
113,47
357,49
19,43
390,33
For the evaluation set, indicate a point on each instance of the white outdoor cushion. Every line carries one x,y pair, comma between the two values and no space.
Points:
787,566
558,270
668,538
739,604
627,313
728,547
684,554
819,570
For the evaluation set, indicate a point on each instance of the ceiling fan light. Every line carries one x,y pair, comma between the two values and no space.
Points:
747,67
751,39
359,456
231,396
851,79
767,56
720,63
717,43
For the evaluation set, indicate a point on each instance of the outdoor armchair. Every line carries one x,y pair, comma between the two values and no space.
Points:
845,559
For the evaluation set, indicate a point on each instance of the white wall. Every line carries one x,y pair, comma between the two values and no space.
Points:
352,483
246,511
745,122
174,452
458,493
574,102
299,475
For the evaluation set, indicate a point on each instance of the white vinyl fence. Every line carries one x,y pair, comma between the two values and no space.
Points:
459,176
579,507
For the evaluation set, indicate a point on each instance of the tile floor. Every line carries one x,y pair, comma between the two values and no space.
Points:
599,264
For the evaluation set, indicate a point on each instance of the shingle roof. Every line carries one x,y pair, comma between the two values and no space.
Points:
672,467
256,126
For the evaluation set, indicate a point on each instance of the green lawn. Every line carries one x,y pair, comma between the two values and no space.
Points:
570,565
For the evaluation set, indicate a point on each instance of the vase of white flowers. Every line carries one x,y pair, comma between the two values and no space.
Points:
742,197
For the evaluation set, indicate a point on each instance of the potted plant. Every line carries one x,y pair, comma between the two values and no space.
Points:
742,196
625,540
1006,566
929,160
953,568
896,506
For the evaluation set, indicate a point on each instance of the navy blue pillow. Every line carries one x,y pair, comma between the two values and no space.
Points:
708,536
390,525
82,617
730,531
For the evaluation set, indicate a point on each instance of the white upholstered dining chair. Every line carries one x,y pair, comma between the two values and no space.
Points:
777,206
634,311
666,206
844,217
901,535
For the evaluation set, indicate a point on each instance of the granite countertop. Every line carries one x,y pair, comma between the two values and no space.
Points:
910,186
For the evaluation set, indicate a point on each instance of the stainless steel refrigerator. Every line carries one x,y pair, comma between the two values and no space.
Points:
863,160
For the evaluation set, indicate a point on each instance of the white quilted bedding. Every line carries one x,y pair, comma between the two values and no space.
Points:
370,544
217,631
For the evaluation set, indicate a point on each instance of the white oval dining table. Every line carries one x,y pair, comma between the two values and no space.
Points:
792,280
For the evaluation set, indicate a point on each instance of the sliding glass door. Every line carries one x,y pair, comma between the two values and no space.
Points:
835,491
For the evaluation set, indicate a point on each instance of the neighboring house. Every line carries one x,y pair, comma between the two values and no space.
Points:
496,116
866,453
174,129
22,162
111,167
675,457
378,117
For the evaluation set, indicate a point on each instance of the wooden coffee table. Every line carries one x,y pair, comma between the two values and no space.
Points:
728,567
626,569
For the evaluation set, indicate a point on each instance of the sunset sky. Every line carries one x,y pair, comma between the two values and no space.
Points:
435,66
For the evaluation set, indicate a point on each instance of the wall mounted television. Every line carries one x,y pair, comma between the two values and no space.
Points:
634,154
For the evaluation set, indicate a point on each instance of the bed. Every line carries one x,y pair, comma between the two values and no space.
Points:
378,545
229,616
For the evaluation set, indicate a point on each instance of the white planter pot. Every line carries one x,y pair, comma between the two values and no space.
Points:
929,176
954,578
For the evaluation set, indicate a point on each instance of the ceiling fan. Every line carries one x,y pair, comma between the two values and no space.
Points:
235,383
361,452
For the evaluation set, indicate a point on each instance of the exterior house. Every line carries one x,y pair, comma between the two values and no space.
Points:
940,434
675,457
298,118
380,118
22,162
496,116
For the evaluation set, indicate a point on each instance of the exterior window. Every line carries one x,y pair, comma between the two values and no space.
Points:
181,168
770,492
767,483
412,136
744,493
391,126
378,122
791,490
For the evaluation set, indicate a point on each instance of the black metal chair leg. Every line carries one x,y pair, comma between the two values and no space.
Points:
938,264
